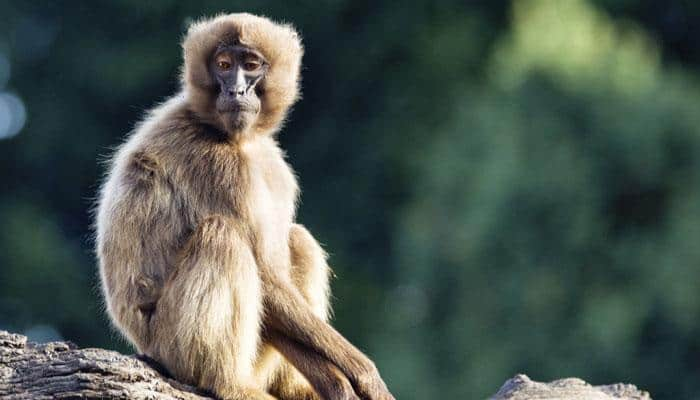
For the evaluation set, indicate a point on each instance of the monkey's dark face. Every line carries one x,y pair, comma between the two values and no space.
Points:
237,70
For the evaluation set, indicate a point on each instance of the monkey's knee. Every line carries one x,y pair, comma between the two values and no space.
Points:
310,271
304,248
215,231
217,239
208,318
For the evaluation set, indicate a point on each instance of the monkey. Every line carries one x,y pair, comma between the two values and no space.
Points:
202,264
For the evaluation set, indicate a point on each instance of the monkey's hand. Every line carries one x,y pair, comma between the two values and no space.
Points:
287,312
369,384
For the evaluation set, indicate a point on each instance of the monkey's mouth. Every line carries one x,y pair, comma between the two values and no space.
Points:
236,107
237,117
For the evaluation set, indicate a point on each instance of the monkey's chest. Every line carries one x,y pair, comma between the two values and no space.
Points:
269,210
256,187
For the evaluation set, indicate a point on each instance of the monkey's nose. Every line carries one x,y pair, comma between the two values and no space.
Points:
237,91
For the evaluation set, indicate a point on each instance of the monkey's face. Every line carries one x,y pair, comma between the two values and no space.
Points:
237,70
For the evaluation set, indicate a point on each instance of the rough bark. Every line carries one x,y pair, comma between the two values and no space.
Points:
59,370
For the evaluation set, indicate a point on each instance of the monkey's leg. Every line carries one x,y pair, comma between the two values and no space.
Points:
310,271
288,311
310,274
207,322
326,380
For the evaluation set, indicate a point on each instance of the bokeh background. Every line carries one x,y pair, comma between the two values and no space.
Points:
504,186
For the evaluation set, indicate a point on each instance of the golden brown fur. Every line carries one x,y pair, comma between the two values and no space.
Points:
203,267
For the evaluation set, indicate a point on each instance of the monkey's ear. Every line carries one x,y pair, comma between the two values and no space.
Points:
195,73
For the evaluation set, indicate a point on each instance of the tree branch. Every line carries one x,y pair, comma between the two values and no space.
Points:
61,370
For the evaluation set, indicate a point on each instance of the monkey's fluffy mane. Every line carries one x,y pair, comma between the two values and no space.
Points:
280,44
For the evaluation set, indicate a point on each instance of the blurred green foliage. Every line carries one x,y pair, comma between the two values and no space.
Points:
503,186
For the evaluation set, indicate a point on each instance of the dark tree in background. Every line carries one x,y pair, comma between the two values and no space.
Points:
503,186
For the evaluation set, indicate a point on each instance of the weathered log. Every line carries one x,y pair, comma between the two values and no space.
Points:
59,370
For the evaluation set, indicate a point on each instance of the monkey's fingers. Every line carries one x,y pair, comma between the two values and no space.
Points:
372,388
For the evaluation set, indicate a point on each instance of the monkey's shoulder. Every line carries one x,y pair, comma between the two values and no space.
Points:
139,167
143,158
143,166
157,154
194,164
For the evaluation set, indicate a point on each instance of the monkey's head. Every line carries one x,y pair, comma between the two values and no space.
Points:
241,72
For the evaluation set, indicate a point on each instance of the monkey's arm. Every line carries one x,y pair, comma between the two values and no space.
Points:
288,312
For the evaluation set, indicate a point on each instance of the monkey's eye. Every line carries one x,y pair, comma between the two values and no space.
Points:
252,65
223,65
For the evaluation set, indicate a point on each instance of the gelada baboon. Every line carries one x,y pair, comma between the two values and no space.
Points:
202,265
